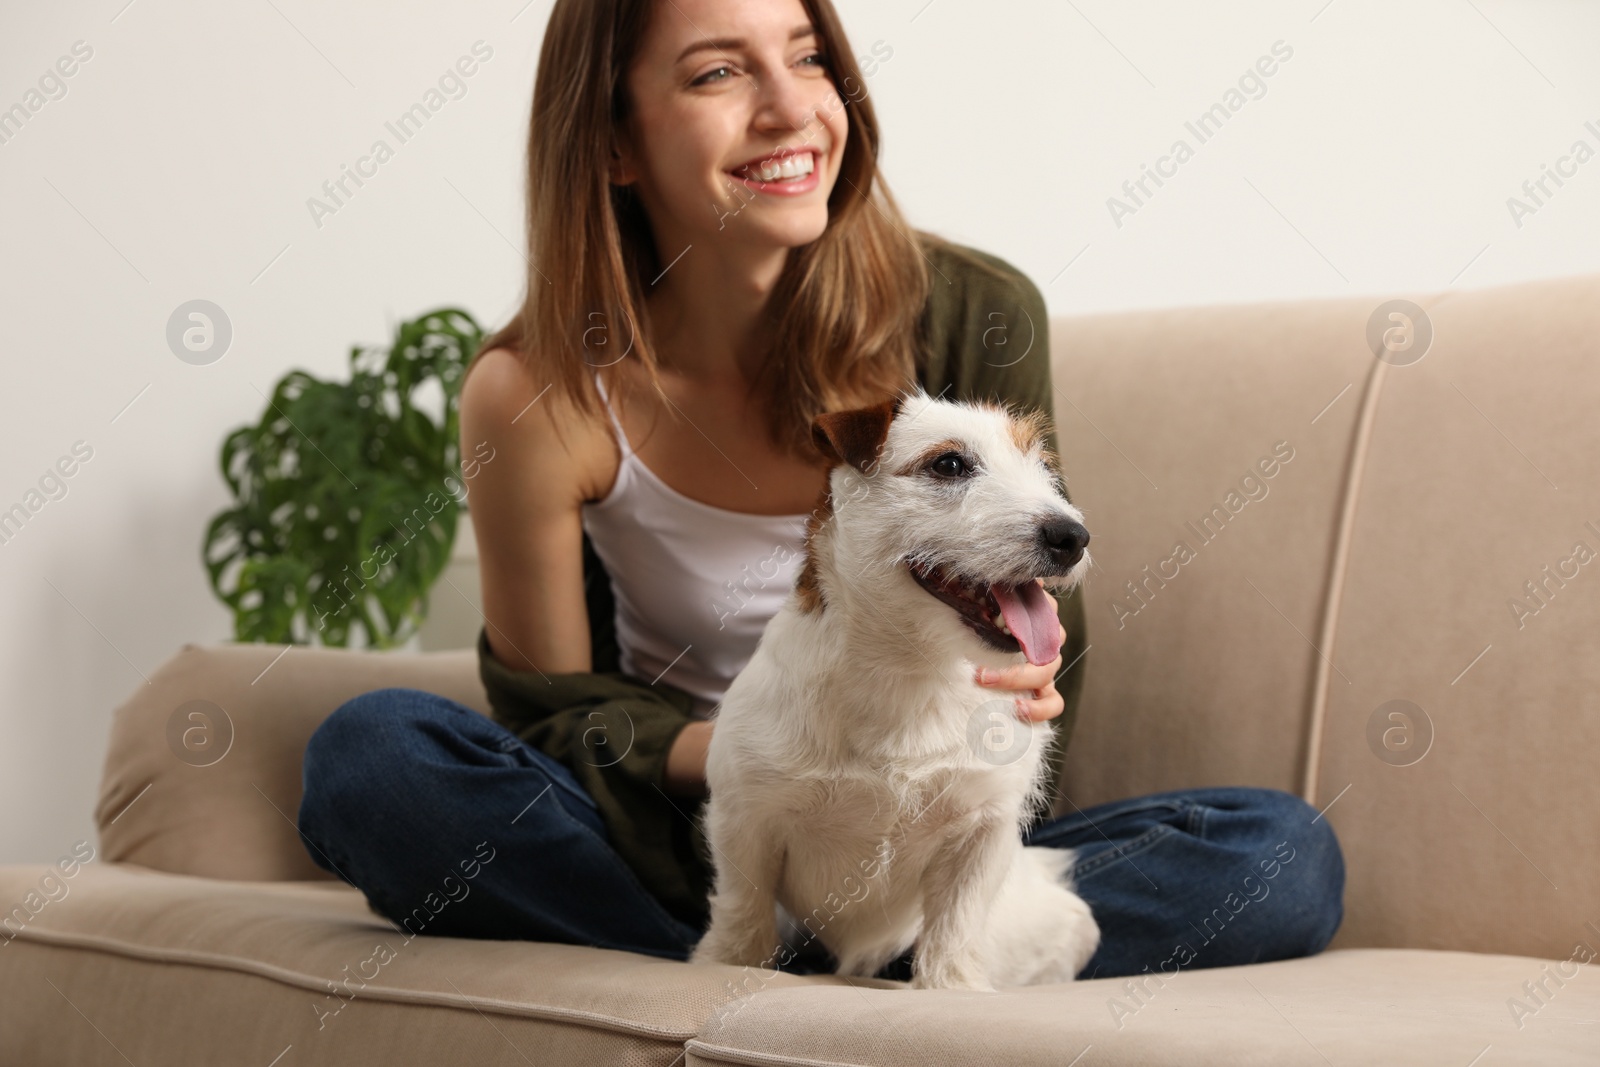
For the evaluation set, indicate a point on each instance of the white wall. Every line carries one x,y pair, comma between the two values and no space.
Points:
179,162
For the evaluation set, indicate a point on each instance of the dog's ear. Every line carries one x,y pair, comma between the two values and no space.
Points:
855,437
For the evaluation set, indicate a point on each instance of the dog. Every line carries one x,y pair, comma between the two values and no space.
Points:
858,776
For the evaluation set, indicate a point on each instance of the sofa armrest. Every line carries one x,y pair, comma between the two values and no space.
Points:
202,773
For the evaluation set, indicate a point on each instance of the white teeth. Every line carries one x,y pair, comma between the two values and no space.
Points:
1001,624
796,166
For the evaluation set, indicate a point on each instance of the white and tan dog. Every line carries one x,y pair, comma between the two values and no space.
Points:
859,777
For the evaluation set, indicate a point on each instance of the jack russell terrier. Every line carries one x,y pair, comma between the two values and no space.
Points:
860,779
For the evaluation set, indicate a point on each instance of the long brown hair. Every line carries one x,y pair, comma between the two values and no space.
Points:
840,328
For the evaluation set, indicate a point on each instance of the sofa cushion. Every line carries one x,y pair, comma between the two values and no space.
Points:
165,968
202,772
158,967
1343,1007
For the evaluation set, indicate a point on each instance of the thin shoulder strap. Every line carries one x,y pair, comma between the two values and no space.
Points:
616,423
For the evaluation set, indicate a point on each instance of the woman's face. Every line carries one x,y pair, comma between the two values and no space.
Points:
703,115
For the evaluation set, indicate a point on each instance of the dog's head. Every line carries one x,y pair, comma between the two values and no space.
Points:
949,511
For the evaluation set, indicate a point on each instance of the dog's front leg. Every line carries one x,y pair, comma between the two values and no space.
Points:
960,885
744,925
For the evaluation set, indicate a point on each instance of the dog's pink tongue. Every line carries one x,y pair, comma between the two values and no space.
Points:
1032,623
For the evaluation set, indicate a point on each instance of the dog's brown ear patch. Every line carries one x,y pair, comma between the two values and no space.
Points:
855,437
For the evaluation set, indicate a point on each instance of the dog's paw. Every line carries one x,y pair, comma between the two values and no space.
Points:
736,951
714,948
704,953
965,974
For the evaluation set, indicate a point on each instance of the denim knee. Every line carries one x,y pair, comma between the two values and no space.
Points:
338,746
352,756
375,718
1301,843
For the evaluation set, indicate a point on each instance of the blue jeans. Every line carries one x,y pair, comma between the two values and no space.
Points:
451,825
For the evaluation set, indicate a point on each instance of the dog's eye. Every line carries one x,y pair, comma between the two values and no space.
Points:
951,465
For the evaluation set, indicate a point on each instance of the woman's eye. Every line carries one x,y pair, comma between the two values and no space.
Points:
816,59
707,78
951,465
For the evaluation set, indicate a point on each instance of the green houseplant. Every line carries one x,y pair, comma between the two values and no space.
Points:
346,494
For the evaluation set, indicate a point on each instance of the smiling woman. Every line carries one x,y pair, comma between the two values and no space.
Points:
714,261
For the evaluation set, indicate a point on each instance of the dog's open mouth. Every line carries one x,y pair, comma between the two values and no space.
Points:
1010,618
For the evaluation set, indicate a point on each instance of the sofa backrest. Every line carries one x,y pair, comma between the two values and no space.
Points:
1434,541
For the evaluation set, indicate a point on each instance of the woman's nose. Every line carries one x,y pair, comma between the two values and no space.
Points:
788,101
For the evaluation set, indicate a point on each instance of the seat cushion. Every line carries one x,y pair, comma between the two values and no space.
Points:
157,967
166,968
1373,1006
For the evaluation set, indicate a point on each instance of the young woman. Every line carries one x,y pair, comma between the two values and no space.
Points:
713,260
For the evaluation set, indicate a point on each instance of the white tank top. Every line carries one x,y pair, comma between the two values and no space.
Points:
695,585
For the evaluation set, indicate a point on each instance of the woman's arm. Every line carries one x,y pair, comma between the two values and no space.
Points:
525,505
686,761
526,512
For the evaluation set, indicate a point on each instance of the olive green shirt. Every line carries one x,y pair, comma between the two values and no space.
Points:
985,337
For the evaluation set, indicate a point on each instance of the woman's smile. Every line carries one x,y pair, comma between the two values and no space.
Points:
784,173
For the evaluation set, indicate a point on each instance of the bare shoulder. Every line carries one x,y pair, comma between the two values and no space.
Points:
538,458
525,416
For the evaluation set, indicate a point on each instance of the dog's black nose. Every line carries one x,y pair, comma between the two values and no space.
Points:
1064,540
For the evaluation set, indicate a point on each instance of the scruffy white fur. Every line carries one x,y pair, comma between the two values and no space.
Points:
860,781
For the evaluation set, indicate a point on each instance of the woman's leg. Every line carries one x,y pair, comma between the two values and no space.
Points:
1202,878
452,825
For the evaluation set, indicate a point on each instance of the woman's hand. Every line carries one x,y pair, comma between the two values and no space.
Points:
1035,687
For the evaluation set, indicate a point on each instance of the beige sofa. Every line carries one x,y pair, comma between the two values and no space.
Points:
1382,564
